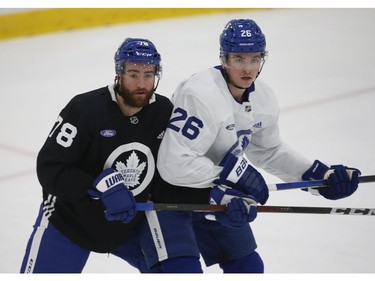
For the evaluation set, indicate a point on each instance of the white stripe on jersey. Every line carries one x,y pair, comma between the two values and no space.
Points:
157,235
48,208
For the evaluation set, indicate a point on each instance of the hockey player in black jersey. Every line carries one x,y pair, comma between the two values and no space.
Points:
98,160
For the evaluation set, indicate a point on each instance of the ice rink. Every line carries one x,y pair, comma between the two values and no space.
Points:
321,66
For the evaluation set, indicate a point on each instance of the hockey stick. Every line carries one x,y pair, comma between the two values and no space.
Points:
149,206
311,183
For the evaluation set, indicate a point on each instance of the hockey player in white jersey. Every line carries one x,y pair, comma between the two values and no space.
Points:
222,116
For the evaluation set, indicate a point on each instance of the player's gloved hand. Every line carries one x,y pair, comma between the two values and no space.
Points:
241,208
343,181
237,173
117,198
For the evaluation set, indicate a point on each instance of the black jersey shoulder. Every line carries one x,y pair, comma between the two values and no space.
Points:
92,101
162,103
163,100
161,106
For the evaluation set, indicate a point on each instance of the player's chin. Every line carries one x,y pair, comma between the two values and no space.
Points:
246,83
141,100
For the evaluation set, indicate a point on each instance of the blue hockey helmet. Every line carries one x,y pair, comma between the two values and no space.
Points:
137,50
242,36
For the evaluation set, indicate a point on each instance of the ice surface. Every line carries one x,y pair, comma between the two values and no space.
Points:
321,67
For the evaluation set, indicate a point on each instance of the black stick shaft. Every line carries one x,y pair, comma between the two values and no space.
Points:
149,206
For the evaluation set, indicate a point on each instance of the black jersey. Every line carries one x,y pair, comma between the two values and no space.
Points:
90,135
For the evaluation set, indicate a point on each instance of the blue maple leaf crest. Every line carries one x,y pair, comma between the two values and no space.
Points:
245,142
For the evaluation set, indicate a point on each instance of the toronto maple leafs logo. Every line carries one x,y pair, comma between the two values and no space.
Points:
136,163
132,170
241,145
245,142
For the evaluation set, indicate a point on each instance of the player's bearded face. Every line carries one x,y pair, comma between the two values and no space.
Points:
136,84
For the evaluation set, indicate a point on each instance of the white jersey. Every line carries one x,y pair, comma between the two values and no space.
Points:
207,123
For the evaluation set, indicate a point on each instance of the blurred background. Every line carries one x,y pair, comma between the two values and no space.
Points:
321,66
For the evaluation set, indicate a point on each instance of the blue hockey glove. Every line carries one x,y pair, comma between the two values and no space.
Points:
117,198
237,173
241,208
343,181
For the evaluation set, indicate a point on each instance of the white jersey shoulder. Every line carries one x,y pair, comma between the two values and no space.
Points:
263,100
205,90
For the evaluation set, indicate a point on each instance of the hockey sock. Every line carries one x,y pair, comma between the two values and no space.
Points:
249,264
181,265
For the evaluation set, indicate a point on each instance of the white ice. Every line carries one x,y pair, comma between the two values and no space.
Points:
321,66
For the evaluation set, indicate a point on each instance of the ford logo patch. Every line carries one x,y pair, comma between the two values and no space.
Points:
230,127
108,133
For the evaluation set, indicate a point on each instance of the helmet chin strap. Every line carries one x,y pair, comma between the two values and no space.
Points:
117,85
157,84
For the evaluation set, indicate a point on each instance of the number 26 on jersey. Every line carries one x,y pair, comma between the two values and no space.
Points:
189,126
